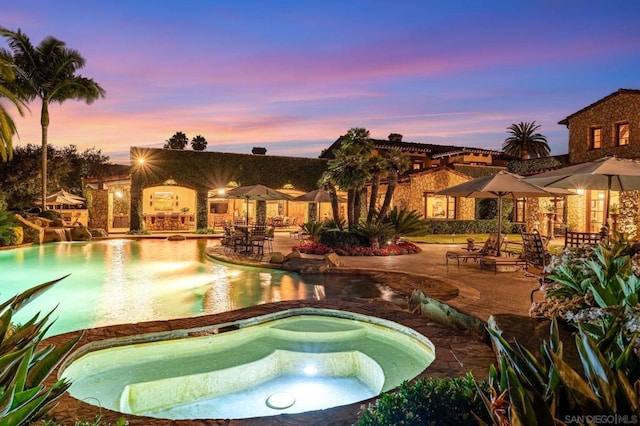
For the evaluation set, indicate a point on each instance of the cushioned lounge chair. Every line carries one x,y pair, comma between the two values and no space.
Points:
489,248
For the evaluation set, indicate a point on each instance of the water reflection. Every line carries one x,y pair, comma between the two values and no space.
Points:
124,281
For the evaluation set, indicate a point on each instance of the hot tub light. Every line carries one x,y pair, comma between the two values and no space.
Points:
280,401
310,370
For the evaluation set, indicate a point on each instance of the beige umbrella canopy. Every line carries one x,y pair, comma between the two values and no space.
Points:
317,196
501,185
605,174
62,198
255,192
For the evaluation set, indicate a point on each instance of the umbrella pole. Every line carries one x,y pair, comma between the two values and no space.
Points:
247,209
606,207
499,224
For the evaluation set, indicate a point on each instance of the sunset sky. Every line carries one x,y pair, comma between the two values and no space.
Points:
292,76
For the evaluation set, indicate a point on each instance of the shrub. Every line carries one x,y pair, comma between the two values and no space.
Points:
50,214
205,231
403,247
482,226
338,238
436,401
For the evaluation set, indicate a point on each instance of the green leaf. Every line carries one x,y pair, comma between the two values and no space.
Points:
41,369
575,385
22,414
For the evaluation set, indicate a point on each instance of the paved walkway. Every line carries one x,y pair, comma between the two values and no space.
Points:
481,293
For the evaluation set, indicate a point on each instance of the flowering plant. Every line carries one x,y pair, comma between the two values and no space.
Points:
402,247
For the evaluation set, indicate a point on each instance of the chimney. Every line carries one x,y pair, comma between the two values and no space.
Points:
258,150
395,137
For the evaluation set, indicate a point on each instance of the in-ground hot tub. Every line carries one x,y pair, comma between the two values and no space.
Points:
286,362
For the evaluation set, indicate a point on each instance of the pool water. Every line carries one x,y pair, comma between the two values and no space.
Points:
285,362
128,281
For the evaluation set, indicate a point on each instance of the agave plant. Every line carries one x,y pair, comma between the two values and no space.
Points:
24,364
530,391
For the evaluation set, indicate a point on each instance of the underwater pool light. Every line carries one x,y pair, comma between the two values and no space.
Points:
310,370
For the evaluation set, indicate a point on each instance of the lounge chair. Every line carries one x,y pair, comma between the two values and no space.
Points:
490,247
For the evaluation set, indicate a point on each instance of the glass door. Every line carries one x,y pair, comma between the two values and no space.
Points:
595,213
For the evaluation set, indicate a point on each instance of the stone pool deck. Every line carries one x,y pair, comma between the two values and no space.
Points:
474,292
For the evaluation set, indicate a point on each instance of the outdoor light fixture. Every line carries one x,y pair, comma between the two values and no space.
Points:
580,191
221,191
141,161
310,370
119,194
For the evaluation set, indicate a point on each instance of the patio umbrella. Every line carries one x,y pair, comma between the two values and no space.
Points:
255,192
605,174
62,197
317,196
501,185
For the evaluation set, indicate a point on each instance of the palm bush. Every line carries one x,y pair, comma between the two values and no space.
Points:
405,223
25,365
313,229
375,232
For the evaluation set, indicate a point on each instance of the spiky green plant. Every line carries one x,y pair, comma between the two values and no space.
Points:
313,229
375,232
405,223
24,364
530,390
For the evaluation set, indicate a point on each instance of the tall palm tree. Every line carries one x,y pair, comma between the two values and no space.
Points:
349,172
48,72
377,168
397,163
524,142
7,126
349,169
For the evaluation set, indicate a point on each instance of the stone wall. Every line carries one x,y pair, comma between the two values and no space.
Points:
621,106
410,193
98,200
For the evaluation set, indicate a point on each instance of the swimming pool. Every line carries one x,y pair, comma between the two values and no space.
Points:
126,281
286,362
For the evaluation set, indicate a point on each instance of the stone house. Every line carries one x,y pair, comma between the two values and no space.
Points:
609,126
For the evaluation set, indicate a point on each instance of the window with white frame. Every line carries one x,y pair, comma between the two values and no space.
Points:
439,206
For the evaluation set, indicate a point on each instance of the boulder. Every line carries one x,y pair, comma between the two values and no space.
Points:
98,232
176,238
293,255
80,233
276,257
332,260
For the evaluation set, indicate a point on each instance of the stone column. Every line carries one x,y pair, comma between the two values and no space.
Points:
261,212
202,206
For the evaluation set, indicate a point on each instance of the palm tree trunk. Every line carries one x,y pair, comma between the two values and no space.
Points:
388,196
375,185
335,207
357,206
350,204
44,122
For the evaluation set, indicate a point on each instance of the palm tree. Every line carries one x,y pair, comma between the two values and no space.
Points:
349,172
326,182
178,141
7,126
397,163
524,142
48,72
198,143
377,167
349,169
